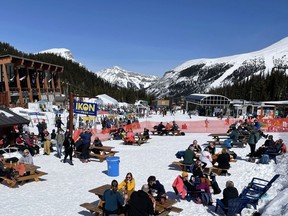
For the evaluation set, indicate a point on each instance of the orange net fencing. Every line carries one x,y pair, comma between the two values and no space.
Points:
201,126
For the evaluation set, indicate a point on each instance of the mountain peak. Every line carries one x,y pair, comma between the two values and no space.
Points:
199,75
63,52
126,79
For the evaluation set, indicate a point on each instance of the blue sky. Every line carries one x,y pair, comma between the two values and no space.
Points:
145,36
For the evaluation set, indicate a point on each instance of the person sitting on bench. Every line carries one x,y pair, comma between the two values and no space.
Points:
160,128
156,189
197,148
179,186
113,200
130,137
26,157
146,133
141,203
223,161
128,184
7,173
189,156
96,142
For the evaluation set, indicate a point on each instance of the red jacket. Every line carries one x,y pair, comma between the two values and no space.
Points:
179,185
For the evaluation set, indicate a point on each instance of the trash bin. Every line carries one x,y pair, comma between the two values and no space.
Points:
113,165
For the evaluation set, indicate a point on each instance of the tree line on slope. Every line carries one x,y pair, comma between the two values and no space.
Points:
272,86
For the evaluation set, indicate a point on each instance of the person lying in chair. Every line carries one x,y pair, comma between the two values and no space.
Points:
130,137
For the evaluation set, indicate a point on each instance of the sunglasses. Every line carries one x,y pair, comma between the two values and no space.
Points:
128,177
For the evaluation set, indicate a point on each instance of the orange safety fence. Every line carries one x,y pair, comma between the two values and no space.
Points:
201,126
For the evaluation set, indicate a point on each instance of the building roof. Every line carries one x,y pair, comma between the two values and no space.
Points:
208,99
106,99
9,118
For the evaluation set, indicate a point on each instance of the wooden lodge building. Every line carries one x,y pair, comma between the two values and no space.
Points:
25,80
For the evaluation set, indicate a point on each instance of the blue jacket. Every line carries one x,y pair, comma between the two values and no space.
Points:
86,137
112,201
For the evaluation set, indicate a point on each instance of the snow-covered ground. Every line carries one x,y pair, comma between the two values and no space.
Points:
66,187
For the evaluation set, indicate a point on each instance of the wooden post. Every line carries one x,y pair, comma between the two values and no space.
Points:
71,101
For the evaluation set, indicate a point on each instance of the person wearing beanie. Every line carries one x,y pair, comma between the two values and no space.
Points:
178,185
26,157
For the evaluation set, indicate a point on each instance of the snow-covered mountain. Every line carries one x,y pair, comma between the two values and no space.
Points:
63,52
199,75
126,79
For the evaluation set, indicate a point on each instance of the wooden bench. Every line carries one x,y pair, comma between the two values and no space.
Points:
183,167
12,182
236,144
102,157
106,152
92,208
215,169
165,208
141,139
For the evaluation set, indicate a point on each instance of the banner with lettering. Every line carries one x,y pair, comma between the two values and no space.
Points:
85,108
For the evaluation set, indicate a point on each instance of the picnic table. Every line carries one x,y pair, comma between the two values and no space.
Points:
104,152
162,208
218,136
31,171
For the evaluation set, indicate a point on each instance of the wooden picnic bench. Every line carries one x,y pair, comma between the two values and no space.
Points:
218,136
162,208
181,165
29,168
215,169
141,139
105,151
172,132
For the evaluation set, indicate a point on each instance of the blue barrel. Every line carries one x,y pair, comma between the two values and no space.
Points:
113,165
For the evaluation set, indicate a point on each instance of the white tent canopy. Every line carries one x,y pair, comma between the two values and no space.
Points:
105,99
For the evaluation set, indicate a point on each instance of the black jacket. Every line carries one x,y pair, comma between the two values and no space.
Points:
229,193
140,204
223,160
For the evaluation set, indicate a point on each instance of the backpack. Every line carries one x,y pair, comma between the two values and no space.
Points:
12,160
215,187
228,143
284,149
264,159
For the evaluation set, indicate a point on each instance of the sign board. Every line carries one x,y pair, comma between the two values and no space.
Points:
85,108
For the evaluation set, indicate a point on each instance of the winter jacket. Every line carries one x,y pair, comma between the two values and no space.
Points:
60,138
229,193
112,200
179,185
140,204
28,159
128,185
158,188
223,160
206,158
189,155
86,137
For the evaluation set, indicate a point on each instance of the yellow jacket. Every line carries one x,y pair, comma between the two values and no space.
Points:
127,185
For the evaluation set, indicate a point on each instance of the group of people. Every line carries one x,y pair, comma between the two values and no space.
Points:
165,129
123,198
